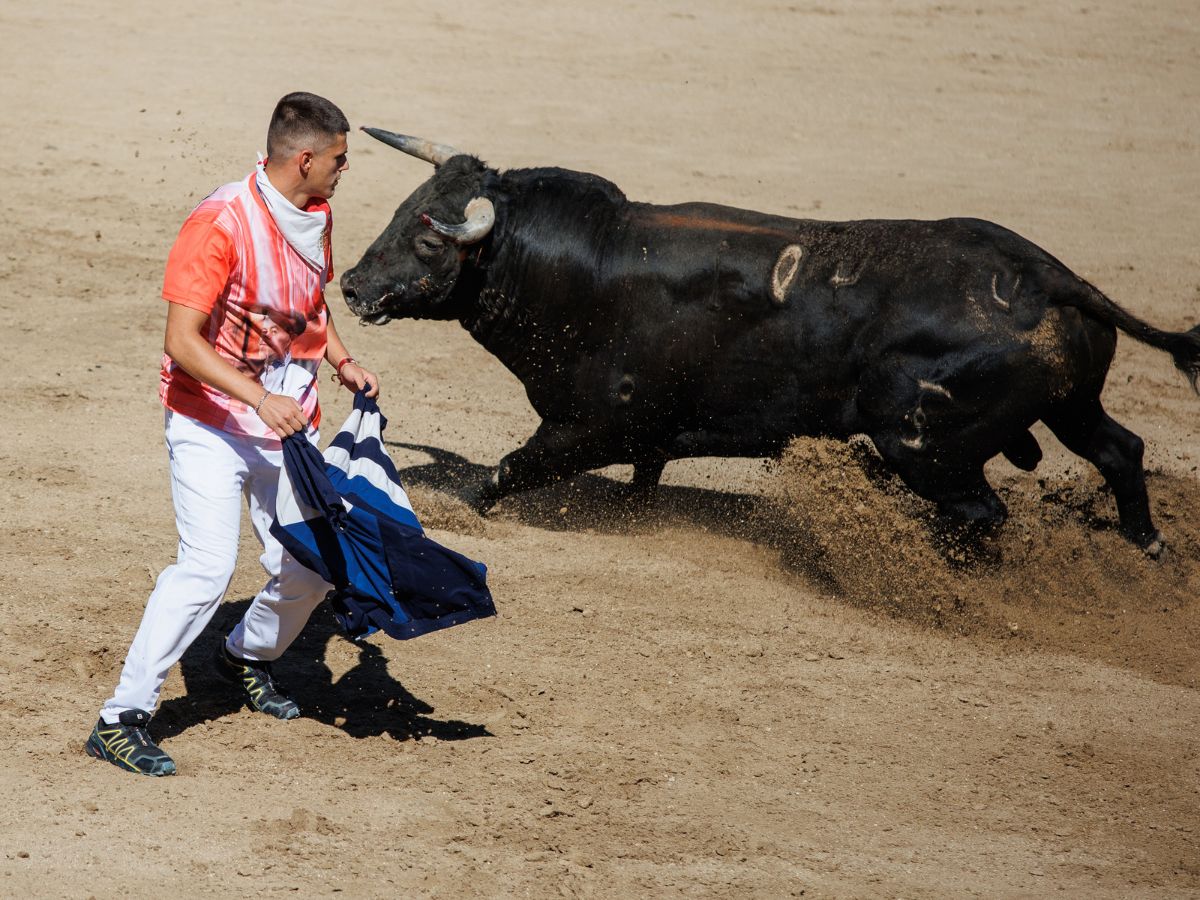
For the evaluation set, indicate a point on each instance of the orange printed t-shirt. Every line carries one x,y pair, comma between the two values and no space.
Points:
265,305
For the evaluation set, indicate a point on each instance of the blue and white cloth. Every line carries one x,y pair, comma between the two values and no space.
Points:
347,517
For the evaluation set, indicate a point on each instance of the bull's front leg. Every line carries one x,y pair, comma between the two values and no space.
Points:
646,475
555,452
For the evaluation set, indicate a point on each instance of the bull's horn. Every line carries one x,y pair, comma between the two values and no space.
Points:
481,216
413,146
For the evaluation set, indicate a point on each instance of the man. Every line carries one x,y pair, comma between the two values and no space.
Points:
253,253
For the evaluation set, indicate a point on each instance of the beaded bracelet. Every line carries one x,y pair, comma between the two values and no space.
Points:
261,401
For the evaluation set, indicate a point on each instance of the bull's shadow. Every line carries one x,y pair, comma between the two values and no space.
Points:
596,502
364,702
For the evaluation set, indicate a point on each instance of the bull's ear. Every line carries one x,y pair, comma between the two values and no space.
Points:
480,217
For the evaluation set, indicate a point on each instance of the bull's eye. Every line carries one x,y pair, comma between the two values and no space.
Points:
427,246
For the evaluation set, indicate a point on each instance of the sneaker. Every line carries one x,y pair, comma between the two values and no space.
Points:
262,691
127,744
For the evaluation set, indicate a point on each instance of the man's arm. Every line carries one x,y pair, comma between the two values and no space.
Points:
185,343
353,376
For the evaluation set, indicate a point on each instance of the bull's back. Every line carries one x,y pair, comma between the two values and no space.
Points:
759,324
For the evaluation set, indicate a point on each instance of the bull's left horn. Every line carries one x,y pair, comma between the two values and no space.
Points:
481,216
414,146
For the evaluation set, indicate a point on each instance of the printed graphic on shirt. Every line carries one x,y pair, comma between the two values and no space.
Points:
282,362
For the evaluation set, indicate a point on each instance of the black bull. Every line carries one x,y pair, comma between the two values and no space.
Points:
647,333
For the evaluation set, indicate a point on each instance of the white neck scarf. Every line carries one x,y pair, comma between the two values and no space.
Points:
305,231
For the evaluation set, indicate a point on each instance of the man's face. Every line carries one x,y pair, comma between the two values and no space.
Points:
277,339
326,167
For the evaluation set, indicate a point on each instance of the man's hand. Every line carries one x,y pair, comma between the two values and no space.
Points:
355,377
282,414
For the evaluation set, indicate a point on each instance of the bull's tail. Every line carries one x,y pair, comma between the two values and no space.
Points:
1184,346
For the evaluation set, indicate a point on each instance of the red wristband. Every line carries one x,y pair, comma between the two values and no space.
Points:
347,360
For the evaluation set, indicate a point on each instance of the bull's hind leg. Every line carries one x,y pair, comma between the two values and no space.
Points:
963,496
1087,430
936,435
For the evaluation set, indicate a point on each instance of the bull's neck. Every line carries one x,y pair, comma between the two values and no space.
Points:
541,259
497,320
493,315
495,311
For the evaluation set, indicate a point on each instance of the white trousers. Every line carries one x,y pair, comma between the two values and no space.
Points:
211,471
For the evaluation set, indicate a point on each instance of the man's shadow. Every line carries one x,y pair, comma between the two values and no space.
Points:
366,701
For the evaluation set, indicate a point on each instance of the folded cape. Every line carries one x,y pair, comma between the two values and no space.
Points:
347,517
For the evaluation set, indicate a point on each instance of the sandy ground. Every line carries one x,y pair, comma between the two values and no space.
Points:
770,684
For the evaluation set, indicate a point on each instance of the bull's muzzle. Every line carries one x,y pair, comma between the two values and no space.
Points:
368,312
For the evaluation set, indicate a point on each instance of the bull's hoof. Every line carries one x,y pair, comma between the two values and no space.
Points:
1023,452
484,496
980,515
1155,547
965,543
964,527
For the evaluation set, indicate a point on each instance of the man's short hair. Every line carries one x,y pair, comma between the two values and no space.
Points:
303,121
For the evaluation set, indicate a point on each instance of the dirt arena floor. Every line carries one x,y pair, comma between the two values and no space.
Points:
770,684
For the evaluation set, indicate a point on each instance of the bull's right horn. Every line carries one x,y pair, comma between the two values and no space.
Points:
413,146
481,216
